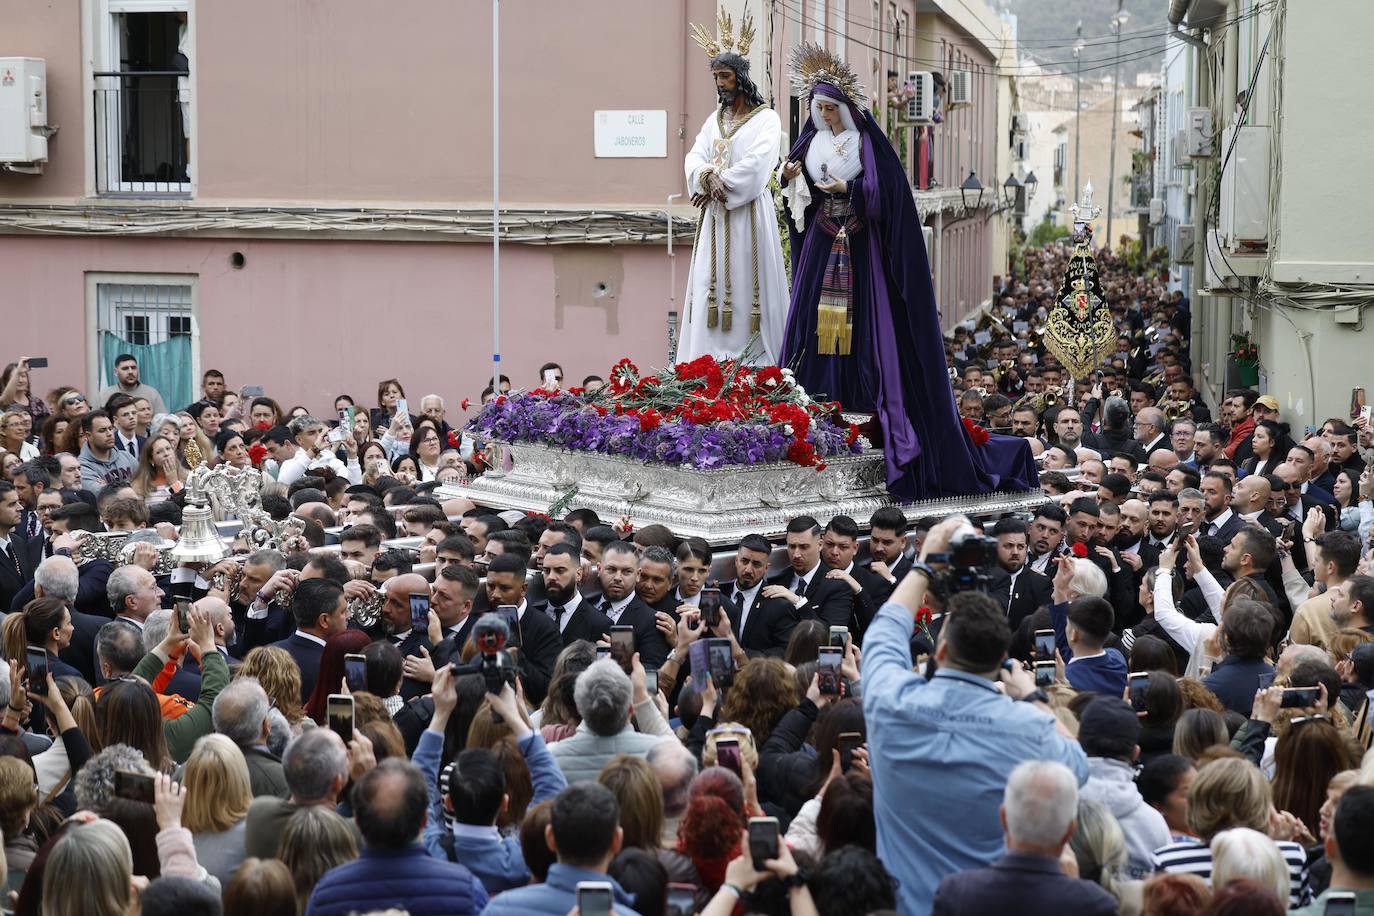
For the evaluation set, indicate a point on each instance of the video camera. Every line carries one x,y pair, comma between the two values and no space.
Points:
490,636
971,555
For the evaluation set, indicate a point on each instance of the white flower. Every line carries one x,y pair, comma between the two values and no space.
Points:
805,399
787,429
787,373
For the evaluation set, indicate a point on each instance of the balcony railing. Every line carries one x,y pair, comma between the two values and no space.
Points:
142,136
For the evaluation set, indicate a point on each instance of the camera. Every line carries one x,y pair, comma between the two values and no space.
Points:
971,555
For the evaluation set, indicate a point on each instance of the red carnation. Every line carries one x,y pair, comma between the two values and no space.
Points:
257,453
769,377
924,616
454,439
801,452
465,403
853,435
263,426
976,433
650,419
1079,550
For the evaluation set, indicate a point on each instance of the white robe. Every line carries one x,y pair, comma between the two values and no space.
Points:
753,156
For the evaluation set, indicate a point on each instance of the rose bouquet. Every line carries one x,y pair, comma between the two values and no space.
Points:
701,414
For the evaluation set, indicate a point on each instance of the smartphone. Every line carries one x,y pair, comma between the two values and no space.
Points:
1044,674
550,378
682,899
709,602
511,615
339,433
603,652
183,612
1044,645
133,786
339,712
623,646
350,415
1357,400
594,898
1139,684
38,362
722,662
763,840
828,670
1340,903
419,611
36,664
847,743
252,391
355,672
1299,697
727,755
839,636
402,409
699,654
1265,681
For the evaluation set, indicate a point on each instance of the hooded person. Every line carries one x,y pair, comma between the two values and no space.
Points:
1109,731
863,327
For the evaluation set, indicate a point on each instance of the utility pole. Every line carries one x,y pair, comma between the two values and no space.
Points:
1077,111
1118,21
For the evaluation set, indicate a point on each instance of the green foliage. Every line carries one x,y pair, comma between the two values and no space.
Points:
1047,233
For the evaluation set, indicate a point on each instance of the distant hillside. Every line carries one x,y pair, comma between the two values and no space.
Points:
1045,29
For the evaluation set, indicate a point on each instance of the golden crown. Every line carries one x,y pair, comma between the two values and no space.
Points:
727,40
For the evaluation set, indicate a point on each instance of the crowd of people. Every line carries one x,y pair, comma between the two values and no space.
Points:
1151,696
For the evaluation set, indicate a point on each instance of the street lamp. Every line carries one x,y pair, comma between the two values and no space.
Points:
1031,184
1009,189
973,189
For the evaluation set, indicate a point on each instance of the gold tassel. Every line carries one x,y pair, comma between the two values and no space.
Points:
727,320
754,319
712,314
846,337
829,320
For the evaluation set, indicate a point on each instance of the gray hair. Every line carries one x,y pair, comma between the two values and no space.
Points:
1115,412
58,577
119,645
94,782
312,762
656,554
1088,579
155,628
1040,802
267,557
675,767
123,582
161,420
304,422
1191,493
239,711
280,734
431,397
1244,853
602,695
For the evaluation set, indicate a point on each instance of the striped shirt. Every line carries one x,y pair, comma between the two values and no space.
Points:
1193,857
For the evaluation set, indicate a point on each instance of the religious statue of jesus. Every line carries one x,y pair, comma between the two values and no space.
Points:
737,284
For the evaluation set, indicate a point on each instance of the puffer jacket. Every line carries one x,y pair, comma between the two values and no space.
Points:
1112,783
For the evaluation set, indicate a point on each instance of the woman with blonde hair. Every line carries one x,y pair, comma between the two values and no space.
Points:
159,474
191,432
218,794
1227,794
89,872
634,785
1100,848
314,840
280,677
1245,853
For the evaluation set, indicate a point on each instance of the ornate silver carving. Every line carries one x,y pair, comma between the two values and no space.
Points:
115,547
721,505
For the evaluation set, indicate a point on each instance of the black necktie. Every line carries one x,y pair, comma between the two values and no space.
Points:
557,611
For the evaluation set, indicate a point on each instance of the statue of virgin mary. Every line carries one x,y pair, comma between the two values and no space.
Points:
863,327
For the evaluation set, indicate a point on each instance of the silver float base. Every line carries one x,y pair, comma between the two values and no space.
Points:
720,505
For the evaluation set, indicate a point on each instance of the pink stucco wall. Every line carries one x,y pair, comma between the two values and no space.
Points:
310,319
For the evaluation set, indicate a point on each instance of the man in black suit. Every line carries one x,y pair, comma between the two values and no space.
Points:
1221,521
1016,587
538,636
839,546
887,549
57,577
1046,532
411,639
123,413
320,611
657,573
1039,813
762,625
804,583
17,561
575,616
619,602
32,480
1151,431
451,598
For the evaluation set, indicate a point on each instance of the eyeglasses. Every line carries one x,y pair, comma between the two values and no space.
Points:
74,399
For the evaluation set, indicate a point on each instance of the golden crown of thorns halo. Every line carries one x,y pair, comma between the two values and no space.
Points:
810,64
727,41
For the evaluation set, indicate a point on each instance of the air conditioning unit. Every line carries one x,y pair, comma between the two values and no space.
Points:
1199,143
1185,237
1243,217
24,130
959,89
1179,150
920,108
1156,211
